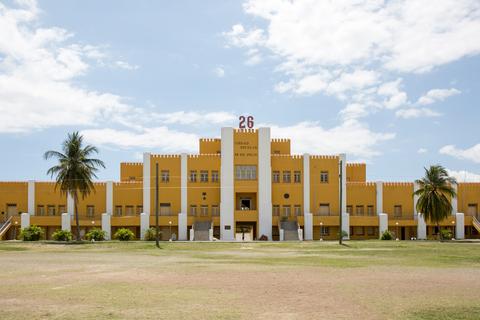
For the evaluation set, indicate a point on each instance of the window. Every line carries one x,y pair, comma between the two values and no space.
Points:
324,209
246,172
276,210
297,210
204,176
350,210
214,176
324,177
51,210
370,231
472,209
324,231
40,210
129,210
215,211
296,177
193,176
359,211
286,211
90,211
397,211
165,176
11,210
165,209
370,211
287,177
193,210
118,211
62,209
204,210
139,210
358,231
275,176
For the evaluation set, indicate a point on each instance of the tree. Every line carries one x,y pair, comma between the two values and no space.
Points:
434,195
75,170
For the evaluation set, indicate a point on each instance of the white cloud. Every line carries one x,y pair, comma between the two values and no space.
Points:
464,176
352,137
321,44
125,65
422,150
196,118
219,72
472,154
435,95
410,113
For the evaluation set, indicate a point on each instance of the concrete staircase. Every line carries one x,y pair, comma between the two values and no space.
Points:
202,230
476,223
290,230
4,227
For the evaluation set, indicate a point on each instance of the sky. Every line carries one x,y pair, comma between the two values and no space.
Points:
395,84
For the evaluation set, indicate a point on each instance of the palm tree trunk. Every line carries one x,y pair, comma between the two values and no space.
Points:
76,218
439,233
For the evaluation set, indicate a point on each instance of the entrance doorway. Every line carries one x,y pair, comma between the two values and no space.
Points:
245,231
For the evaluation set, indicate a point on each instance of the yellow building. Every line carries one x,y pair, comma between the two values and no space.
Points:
244,186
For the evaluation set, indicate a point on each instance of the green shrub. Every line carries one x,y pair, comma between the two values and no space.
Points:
96,234
32,233
62,235
386,235
150,234
124,234
446,234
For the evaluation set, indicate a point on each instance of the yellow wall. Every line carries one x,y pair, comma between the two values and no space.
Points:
131,171
398,193
46,194
356,172
169,192
294,190
280,146
96,198
361,194
13,193
210,146
127,194
468,193
324,192
211,189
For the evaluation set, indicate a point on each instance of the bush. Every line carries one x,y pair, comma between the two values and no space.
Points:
150,234
446,234
124,234
263,238
32,233
62,235
386,235
96,235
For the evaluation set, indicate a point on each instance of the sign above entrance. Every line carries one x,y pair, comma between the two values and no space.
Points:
245,122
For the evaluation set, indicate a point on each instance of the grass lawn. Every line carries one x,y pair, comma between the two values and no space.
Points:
294,280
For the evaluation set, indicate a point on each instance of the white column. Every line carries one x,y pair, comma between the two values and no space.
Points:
459,226
264,184
70,205
379,189
144,224
107,225
415,199
182,226
343,157
421,227
382,223
25,220
31,197
146,182
454,201
346,224
67,221
226,186
307,215
109,204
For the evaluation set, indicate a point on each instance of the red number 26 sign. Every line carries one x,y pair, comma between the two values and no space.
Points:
245,122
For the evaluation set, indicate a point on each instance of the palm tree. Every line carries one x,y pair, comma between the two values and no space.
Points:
435,193
75,170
